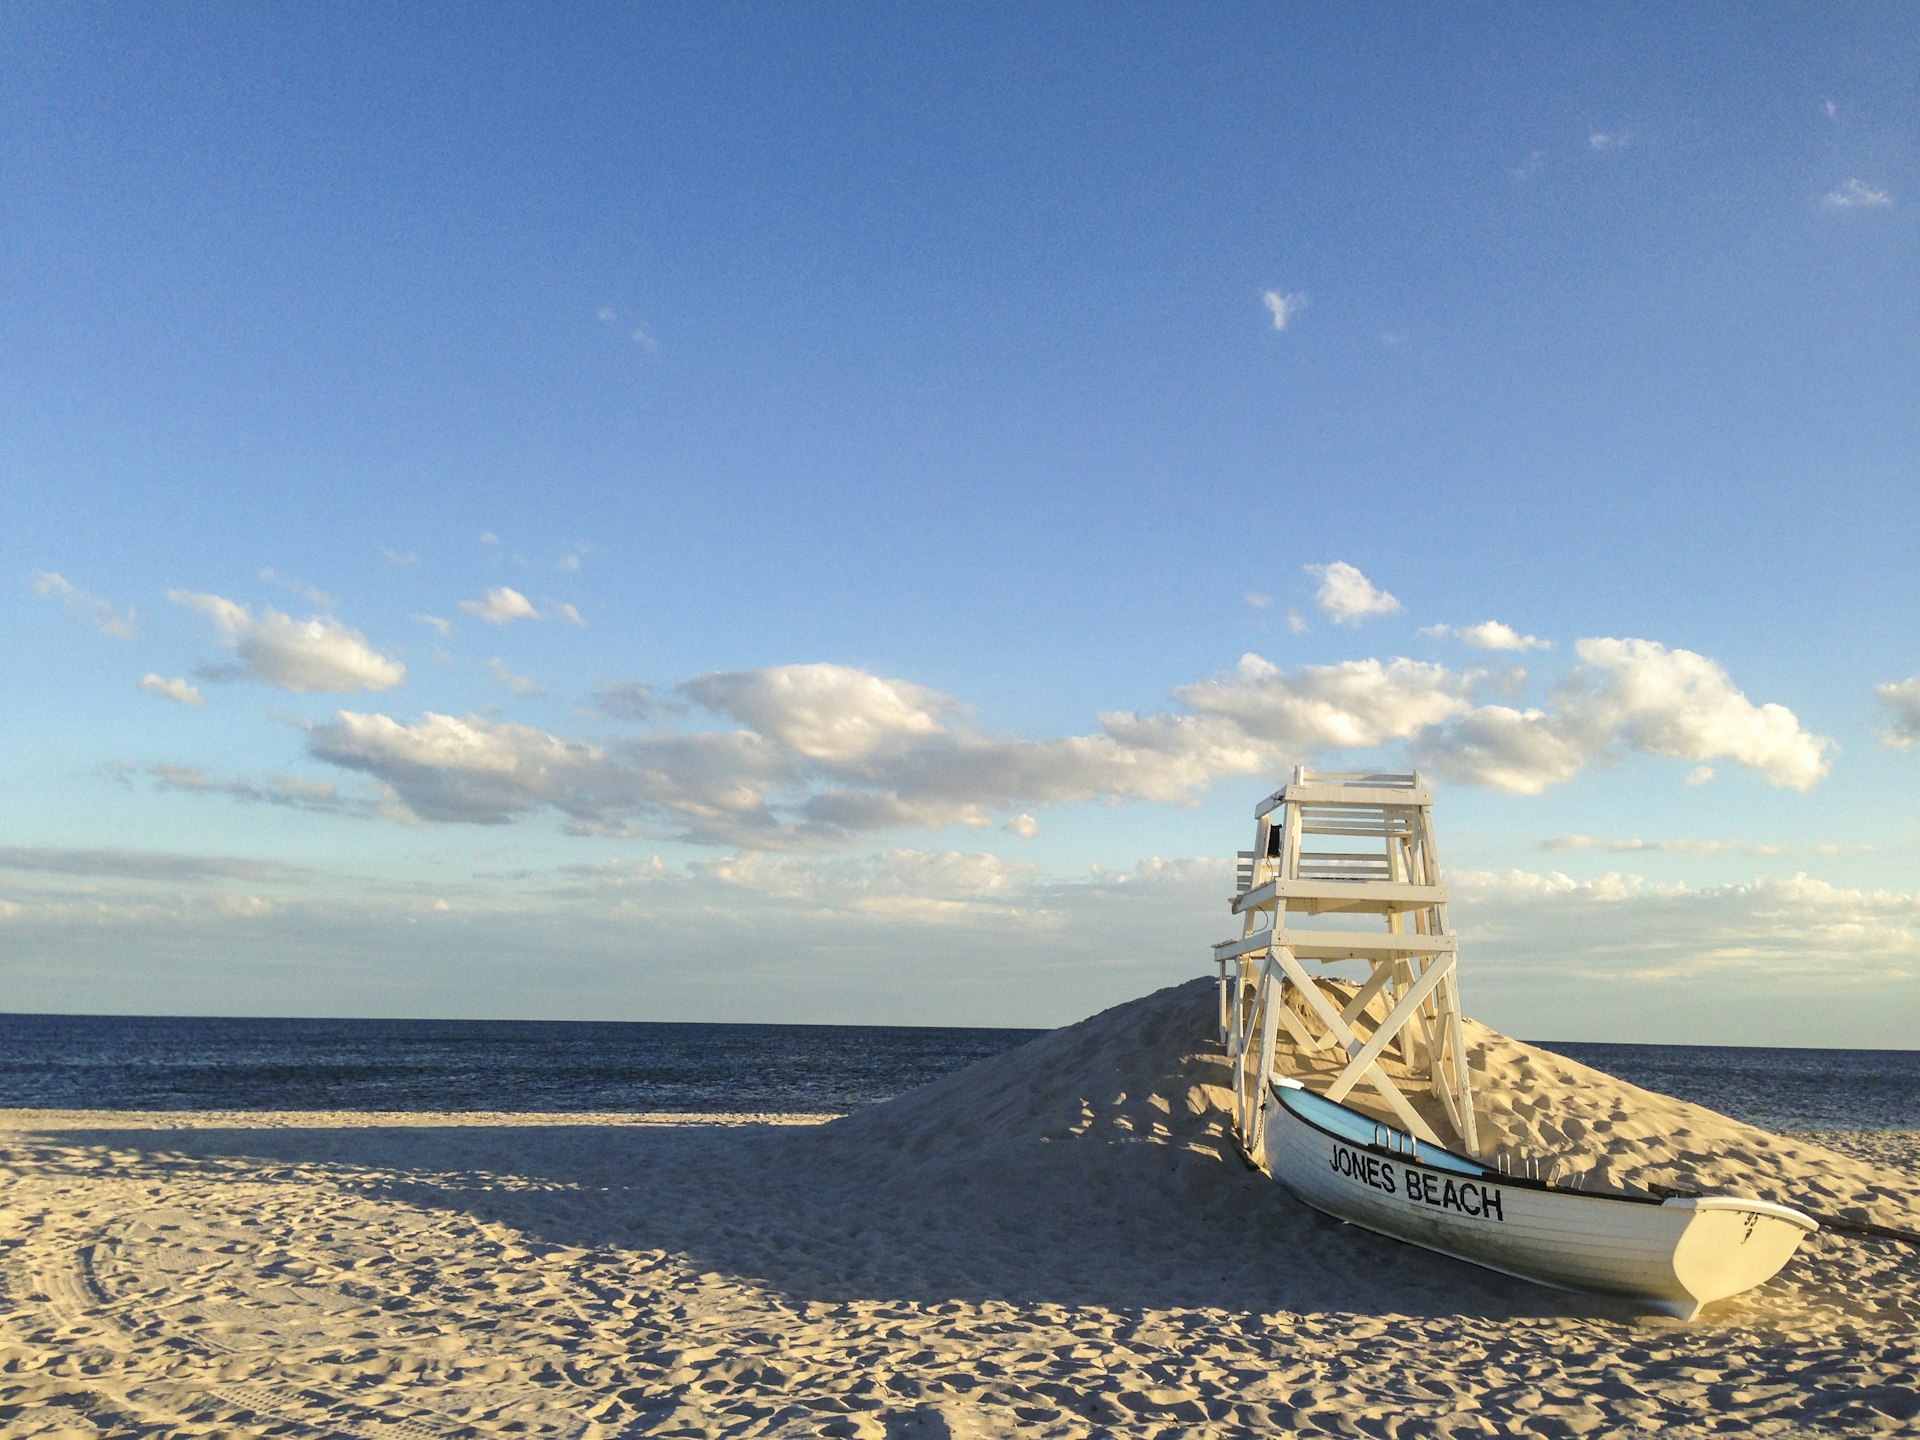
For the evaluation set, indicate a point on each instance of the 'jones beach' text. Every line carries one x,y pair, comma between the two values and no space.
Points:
1423,1187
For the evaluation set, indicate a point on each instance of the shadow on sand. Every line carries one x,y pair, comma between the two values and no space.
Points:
1104,1218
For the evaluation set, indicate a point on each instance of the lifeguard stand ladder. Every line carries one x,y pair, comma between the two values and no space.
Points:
1337,845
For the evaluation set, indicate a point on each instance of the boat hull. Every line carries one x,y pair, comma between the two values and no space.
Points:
1673,1255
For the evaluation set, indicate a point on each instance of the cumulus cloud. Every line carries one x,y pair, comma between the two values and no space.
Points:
1676,703
501,606
441,627
1346,596
1284,307
703,787
1023,825
824,712
1488,635
1352,705
1628,695
1900,703
104,616
303,656
1497,747
824,753
1856,195
181,692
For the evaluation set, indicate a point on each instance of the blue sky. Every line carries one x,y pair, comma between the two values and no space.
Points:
661,512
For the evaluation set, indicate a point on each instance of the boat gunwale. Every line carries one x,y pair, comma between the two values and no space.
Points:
1487,1173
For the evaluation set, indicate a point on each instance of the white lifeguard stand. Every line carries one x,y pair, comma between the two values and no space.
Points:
1342,845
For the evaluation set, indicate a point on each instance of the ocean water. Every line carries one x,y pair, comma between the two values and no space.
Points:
158,1063
1774,1088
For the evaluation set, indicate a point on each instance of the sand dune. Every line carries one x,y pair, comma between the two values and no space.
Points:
1061,1241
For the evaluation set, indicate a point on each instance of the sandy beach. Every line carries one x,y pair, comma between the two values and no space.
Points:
1062,1241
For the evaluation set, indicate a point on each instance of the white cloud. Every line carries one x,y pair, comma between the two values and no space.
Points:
923,885
500,606
1530,167
1829,109
1496,747
443,627
299,655
1284,307
180,691
291,792
1023,825
1296,622
1355,704
1563,843
103,616
1604,140
1346,596
640,336
606,314
309,593
518,684
824,712
1700,775
1489,635
1680,704
487,537
1258,601
399,557
1633,695
1900,700
443,768
712,788
825,753
1618,927
1856,195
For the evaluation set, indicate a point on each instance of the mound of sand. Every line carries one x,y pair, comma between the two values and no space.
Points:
1150,1072
1061,1242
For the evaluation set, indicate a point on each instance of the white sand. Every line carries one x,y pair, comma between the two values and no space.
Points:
1059,1242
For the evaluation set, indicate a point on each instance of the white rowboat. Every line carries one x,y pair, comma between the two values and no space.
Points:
1673,1255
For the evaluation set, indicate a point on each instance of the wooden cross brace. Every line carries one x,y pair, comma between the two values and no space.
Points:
1363,1055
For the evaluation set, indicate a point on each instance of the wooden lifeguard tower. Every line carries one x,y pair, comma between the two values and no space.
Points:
1346,846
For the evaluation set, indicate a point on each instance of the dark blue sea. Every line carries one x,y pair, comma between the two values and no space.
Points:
157,1063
